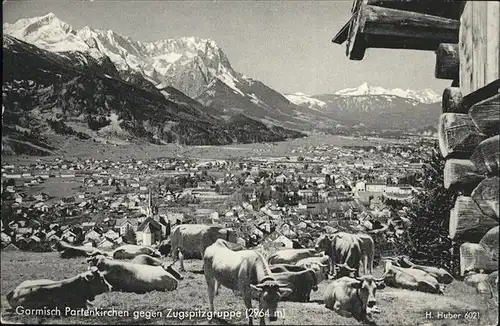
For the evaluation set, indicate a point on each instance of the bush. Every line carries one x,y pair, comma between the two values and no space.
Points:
426,240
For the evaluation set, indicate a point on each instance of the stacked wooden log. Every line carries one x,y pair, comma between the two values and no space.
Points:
469,129
470,144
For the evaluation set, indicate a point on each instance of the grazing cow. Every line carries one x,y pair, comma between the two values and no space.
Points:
342,248
245,271
74,292
410,278
130,277
483,283
439,273
299,278
152,261
192,240
130,251
290,256
353,296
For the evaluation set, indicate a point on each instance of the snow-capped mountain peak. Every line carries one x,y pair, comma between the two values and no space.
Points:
423,96
188,63
302,99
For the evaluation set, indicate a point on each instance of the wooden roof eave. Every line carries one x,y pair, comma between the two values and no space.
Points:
373,26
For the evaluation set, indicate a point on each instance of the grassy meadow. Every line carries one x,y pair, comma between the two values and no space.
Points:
398,307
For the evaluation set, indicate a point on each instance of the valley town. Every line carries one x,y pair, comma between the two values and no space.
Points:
280,201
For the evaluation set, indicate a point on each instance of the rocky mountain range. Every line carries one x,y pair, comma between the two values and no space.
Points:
191,78
45,93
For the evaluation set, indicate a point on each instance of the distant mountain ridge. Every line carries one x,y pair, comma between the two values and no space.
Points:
375,108
46,93
427,95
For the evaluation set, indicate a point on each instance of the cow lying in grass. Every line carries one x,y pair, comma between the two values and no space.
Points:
353,296
131,277
74,292
410,278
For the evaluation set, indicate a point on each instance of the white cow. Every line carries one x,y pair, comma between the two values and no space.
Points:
245,271
193,239
353,296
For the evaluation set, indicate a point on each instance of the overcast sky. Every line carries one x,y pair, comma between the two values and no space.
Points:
285,44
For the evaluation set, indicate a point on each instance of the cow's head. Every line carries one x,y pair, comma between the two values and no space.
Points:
321,270
269,293
96,282
97,261
324,243
366,287
165,247
178,276
344,270
155,253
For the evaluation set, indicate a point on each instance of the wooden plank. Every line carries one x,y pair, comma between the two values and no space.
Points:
479,44
460,174
452,101
467,222
473,257
486,156
486,197
490,242
392,22
447,61
458,136
492,21
465,49
356,46
486,115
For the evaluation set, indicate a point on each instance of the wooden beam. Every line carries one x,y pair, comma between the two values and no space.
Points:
486,156
447,61
490,242
394,42
406,24
452,101
441,8
486,115
458,136
486,197
480,94
460,174
473,257
467,222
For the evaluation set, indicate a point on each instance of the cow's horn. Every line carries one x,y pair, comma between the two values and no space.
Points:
282,285
380,279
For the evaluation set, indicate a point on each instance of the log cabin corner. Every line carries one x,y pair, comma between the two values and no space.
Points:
465,36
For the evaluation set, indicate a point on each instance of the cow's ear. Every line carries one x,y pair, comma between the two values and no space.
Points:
357,285
380,285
